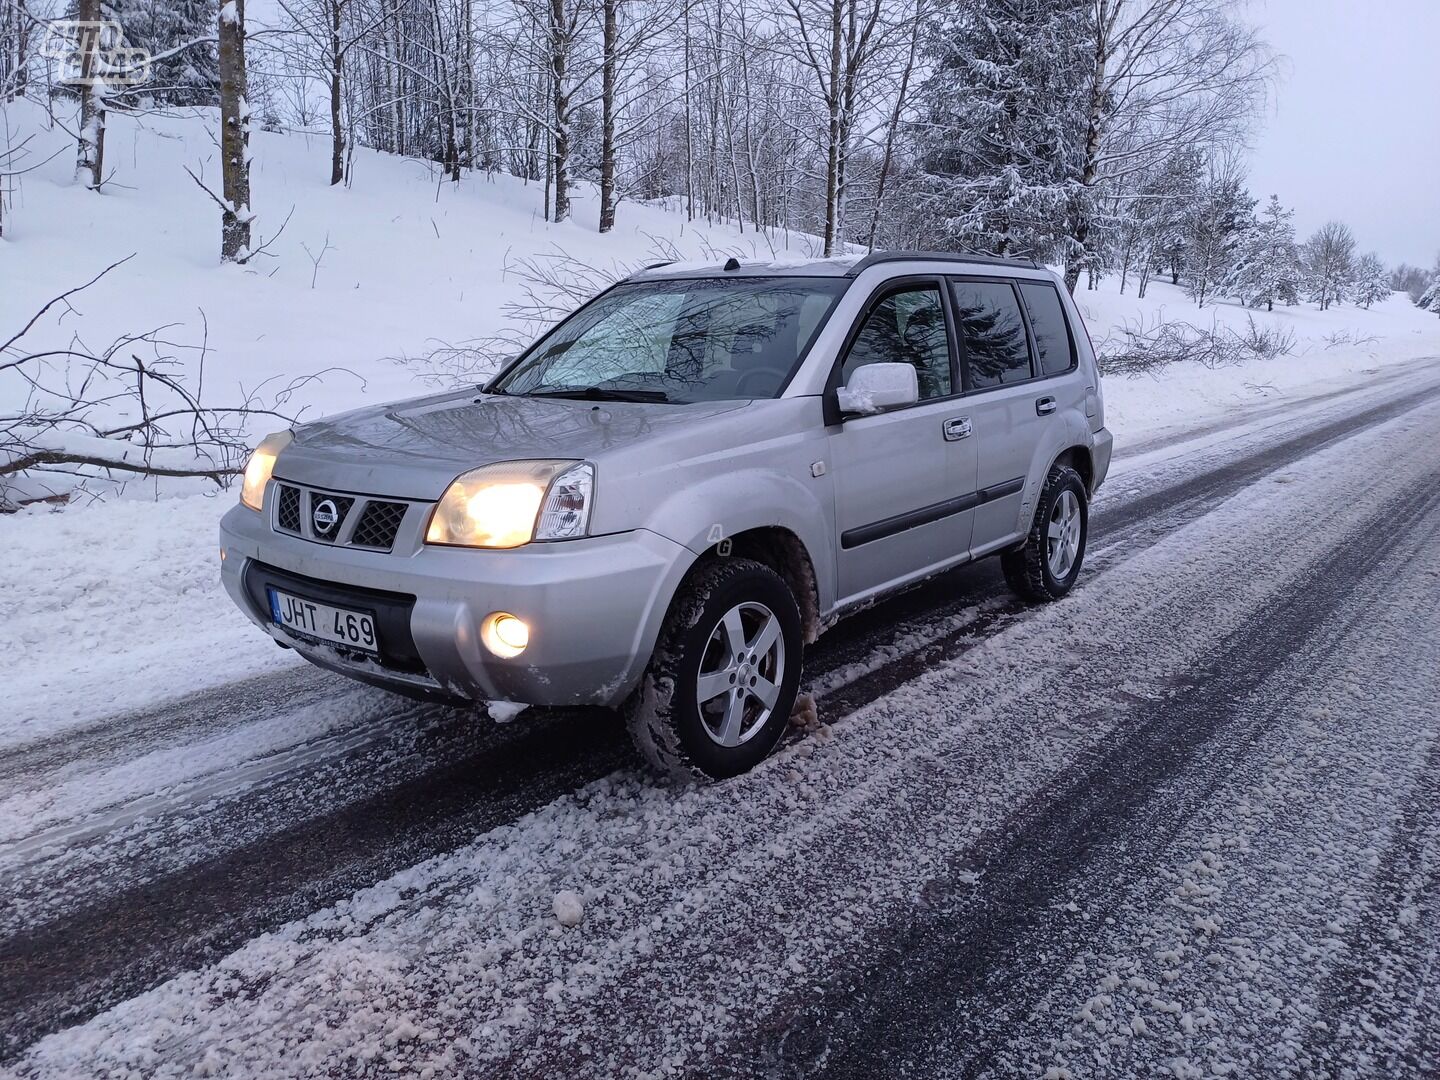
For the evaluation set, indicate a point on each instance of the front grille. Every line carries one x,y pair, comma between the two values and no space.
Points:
287,515
324,517
378,524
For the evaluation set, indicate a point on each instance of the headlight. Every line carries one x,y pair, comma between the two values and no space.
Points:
514,502
260,467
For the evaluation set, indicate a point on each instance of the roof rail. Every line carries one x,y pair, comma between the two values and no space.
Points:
878,257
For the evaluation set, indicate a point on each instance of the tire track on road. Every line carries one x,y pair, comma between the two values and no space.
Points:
57,974
964,977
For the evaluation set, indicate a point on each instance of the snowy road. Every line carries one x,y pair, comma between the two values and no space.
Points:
1186,820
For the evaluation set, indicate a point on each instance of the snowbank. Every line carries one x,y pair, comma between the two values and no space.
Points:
108,607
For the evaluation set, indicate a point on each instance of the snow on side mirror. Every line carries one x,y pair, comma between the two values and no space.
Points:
874,388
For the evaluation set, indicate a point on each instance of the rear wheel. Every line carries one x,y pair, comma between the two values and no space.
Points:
720,686
1046,565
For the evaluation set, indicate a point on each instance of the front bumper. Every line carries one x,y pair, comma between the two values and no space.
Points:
594,607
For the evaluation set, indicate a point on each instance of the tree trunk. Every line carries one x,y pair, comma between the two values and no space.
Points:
832,157
559,47
894,125
1095,118
607,116
90,152
337,70
689,132
467,90
234,135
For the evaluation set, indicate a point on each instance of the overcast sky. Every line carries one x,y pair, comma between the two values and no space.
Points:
1354,131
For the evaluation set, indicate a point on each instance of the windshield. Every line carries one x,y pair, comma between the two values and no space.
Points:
679,341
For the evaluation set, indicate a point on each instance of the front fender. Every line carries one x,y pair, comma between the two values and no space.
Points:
703,514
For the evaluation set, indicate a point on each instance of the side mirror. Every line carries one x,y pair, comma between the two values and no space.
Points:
874,388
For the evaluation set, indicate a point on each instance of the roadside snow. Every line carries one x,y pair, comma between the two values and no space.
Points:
711,905
108,607
105,608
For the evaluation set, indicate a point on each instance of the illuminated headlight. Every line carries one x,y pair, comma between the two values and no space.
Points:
261,467
514,502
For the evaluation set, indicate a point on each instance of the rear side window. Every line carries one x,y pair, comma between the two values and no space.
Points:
996,348
907,327
1047,321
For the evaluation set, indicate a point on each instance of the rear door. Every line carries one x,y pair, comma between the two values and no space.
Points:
900,476
1015,348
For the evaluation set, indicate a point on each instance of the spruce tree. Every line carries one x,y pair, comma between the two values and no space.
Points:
1268,266
1372,281
1430,298
189,76
1003,115
1217,221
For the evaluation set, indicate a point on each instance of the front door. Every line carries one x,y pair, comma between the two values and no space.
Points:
903,478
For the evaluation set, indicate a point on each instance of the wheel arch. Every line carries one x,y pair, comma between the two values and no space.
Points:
782,551
1082,461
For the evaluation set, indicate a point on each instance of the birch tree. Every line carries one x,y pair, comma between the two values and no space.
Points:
1328,262
234,135
90,149
837,42
1158,76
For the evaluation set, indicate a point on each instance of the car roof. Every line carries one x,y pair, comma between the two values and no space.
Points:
836,266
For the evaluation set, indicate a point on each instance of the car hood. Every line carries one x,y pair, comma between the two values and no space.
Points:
414,449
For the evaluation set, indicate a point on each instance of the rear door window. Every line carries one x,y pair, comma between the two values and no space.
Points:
1048,324
997,350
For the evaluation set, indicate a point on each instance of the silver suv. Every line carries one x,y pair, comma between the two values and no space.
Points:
661,502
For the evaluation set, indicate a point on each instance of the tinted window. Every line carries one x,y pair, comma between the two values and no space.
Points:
907,327
994,332
681,340
1047,323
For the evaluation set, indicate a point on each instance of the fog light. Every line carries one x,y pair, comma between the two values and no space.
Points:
504,634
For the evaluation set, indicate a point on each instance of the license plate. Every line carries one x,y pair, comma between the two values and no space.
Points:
339,626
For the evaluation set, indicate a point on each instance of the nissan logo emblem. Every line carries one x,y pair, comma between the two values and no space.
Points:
325,515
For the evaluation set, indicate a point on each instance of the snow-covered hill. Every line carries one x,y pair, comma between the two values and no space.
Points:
394,265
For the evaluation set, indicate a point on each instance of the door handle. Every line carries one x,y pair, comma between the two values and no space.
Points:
957,427
1044,406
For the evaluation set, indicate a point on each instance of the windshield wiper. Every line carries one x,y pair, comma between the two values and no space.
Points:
596,393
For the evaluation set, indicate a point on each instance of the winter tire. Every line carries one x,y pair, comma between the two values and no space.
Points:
1046,565
720,686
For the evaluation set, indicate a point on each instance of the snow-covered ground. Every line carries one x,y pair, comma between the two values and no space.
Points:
699,913
703,914
406,262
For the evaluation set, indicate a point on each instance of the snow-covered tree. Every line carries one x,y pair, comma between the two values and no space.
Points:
234,135
1372,280
1219,219
1150,217
1430,298
1267,268
1328,261
91,87
180,34
1160,76
1001,153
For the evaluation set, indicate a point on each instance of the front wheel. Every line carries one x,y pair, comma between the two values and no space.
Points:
720,686
1046,565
